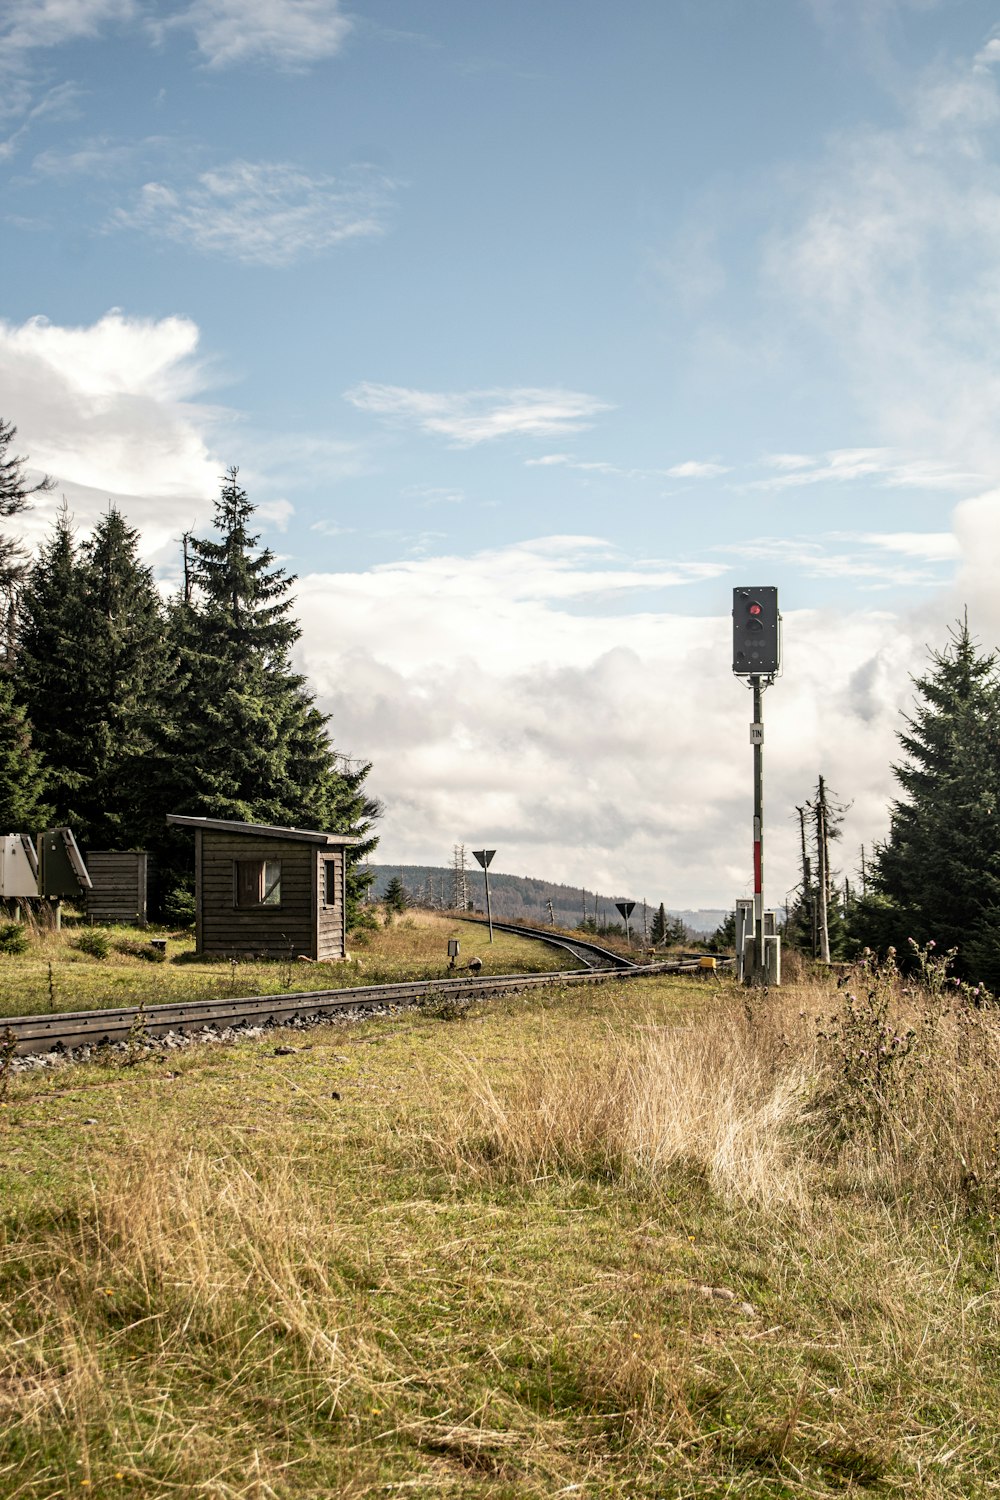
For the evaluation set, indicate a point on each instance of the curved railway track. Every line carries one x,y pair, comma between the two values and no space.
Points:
70,1030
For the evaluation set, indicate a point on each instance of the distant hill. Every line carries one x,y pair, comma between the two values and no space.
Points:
518,898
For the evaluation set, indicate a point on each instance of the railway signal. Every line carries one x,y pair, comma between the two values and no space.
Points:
485,858
757,656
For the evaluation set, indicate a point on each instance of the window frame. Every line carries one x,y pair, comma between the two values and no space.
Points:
264,865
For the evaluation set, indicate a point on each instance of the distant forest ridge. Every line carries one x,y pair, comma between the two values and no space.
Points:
524,898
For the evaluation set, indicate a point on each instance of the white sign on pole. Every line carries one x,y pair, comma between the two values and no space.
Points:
756,734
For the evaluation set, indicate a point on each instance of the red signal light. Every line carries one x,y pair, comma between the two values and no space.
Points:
754,609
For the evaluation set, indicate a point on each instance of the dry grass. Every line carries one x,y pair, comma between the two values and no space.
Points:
612,1243
719,1101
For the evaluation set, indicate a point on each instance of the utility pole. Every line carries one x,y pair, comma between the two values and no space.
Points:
822,873
807,893
552,915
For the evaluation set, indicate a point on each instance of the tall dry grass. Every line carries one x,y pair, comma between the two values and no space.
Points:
878,1085
193,1283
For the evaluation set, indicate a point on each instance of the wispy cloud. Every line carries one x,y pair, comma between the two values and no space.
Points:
471,417
429,494
696,469
31,24
850,465
690,469
288,33
262,213
930,546
868,566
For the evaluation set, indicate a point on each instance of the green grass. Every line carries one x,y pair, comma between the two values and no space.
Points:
464,1277
55,975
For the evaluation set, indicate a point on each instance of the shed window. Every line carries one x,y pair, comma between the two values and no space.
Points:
258,882
329,882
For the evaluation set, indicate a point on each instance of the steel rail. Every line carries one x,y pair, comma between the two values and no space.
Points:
592,954
68,1030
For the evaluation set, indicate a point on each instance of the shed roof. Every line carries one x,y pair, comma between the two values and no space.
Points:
264,830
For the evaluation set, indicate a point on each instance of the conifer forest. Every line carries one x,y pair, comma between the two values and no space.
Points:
119,706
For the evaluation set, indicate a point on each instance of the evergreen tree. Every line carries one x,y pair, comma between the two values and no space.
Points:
22,779
937,875
255,747
92,671
130,674
395,897
724,936
666,930
15,496
52,667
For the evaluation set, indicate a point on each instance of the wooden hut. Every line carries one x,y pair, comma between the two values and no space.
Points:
118,890
267,892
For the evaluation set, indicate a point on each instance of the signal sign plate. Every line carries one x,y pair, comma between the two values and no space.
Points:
756,734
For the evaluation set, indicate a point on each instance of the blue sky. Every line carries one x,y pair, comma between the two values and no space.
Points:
535,328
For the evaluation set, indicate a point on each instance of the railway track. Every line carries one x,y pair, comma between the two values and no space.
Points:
591,954
71,1030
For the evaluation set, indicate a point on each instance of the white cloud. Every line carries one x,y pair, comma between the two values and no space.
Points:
891,256
696,469
107,410
262,213
690,469
850,465
929,546
31,24
289,33
497,701
471,417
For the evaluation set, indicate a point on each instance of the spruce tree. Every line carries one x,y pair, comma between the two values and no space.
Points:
937,874
255,748
658,930
92,672
52,668
130,674
22,778
15,496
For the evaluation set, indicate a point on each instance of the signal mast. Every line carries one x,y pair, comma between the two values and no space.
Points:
757,657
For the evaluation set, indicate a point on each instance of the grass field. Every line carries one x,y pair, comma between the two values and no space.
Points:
56,975
656,1239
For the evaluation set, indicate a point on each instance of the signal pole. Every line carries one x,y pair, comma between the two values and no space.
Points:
757,737
757,656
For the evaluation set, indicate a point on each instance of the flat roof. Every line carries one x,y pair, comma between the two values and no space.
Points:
263,830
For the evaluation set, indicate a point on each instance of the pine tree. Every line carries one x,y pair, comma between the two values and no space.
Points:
658,931
255,746
22,779
937,874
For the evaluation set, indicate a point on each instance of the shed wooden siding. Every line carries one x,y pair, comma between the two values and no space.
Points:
331,927
293,927
119,886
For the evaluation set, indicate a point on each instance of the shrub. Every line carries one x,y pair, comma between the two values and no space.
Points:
178,907
13,938
94,941
134,948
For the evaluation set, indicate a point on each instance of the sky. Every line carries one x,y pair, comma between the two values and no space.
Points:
535,329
